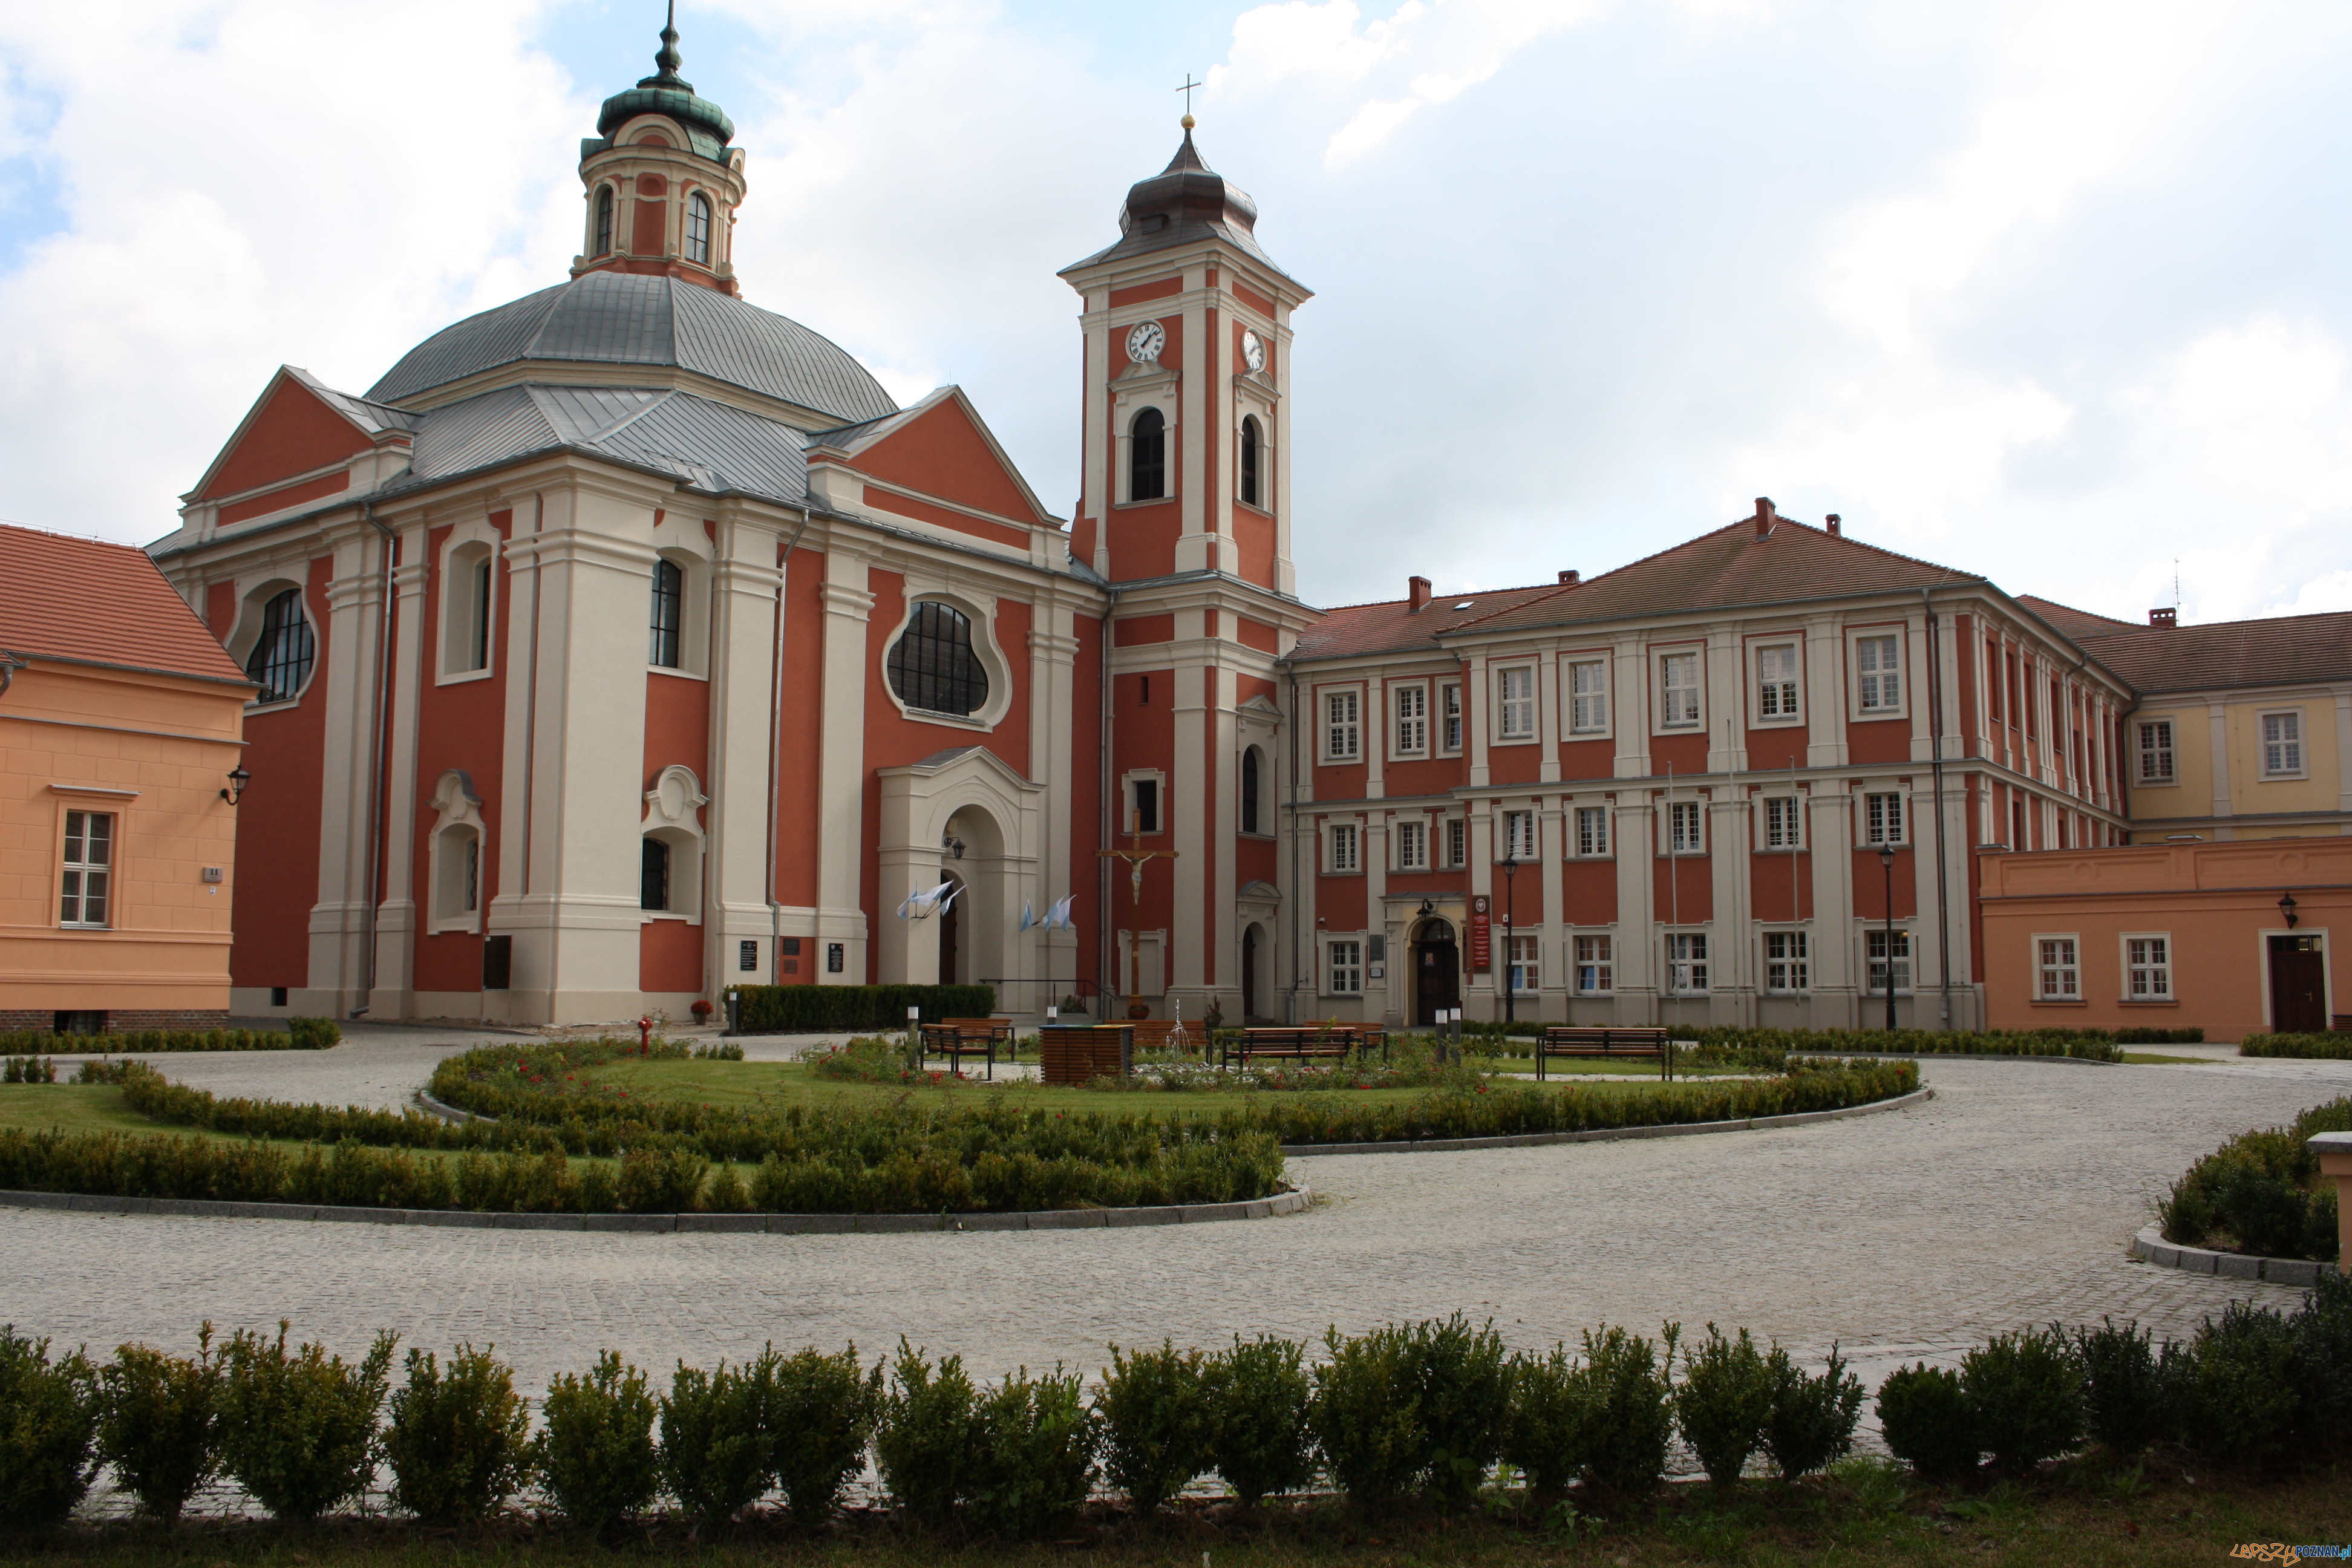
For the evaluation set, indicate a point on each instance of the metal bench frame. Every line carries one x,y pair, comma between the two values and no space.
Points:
1564,1041
1309,1044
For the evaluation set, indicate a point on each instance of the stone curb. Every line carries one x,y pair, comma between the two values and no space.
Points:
2149,1246
1287,1203
448,1112
1605,1134
1925,1056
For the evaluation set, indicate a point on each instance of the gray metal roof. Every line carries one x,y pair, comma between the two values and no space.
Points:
619,318
710,446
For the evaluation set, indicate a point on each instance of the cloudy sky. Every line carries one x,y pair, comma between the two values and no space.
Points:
2054,292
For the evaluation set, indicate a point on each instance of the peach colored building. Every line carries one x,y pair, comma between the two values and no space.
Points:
121,719
2233,938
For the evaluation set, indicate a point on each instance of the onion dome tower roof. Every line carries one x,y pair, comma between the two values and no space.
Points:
1185,201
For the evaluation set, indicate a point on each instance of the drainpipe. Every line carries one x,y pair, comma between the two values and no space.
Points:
9,664
1105,827
1936,767
775,762
377,747
1290,992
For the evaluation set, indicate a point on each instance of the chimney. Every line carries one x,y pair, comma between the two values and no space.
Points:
2168,617
1417,590
1836,526
1567,579
1765,516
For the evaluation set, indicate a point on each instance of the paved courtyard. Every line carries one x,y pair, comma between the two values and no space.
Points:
2009,1199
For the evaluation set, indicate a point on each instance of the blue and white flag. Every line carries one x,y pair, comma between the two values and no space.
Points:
1028,914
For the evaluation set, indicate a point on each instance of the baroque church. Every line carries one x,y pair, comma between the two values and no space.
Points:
628,641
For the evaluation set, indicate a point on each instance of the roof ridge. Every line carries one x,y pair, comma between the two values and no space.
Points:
1463,593
2220,625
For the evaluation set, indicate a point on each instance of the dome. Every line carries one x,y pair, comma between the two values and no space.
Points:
619,318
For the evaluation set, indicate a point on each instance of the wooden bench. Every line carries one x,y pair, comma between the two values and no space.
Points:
1077,1055
1317,1041
955,1037
1562,1040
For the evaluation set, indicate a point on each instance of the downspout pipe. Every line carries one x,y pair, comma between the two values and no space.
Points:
1106,823
1297,888
377,747
776,761
1936,768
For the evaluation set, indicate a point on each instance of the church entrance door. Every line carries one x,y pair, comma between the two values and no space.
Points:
1436,971
1249,973
951,932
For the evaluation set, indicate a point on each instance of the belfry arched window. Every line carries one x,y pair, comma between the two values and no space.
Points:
604,221
698,229
668,615
1249,789
1250,462
1148,456
933,666
280,660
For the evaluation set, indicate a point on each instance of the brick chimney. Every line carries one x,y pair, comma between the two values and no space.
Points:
2167,616
1416,589
1765,516
1567,579
1836,526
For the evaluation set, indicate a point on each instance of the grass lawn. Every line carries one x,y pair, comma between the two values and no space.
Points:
2157,1058
78,1108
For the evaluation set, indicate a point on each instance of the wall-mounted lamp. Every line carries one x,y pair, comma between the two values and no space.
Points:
237,779
954,846
1427,909
2286,908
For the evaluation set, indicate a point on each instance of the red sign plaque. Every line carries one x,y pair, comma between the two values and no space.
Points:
1482,935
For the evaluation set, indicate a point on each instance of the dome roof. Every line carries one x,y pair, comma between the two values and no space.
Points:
619,318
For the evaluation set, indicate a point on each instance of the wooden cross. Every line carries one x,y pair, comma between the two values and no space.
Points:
1137,856
1189,87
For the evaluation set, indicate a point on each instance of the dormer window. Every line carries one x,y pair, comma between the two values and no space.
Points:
1148,456
603,222
698,229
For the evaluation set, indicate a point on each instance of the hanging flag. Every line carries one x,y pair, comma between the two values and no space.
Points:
1028,915
1059,917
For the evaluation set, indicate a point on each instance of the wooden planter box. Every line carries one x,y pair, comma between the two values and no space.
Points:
1077,1056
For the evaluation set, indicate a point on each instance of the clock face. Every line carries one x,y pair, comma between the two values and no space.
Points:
1144,342
1253,351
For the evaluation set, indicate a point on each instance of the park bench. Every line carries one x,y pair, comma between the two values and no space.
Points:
1334,1041
1562,1040
956,1037
1077,1055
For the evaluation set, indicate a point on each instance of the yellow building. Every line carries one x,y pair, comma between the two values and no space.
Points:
121,721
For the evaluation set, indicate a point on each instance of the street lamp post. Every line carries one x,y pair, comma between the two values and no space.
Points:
1886,864
1510,948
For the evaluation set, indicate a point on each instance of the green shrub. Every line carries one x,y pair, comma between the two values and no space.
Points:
2335,1046
661,1181
716,1451
48,1421
1153,1410
2091,1045
819,1416
2246,1401
1260,1400
159,1423
718,1051
142,1042
1723,1402
595,1451
1927,1423
1367,1417
299,1431
2124,1394
1033,1454
1462,1391
313,1034
1545,1431
458,1442
925,1436
2025,1397
1813,1417
28,1070
2261,1191
2321,1327
825,1009
1628,1392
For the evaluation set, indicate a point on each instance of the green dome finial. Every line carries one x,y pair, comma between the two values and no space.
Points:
668,59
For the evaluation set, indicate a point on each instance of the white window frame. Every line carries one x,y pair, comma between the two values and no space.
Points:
2294,759
1687,961
1343,966
468,546
1596,963
1129,812
73,903
1456,831
2144,753
1518,834
1678,812
1339,711
1409,720
458,822
1450,723
2057,966
1788,971
1515,717
1587,689
1905,960
1900,708
1591,832
1779,697
1875,817
1784,823
1343,849
1409,838
1525,962
1675,715
980,612
2147,974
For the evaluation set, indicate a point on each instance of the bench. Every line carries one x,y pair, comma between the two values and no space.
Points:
955,1037
1077,1055
1334,1041
1562,1040
1167,1034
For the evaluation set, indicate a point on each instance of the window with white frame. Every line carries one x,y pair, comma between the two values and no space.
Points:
2282,745
2156,754
1776,681
1345,847
1457,843
1412,721
1143,795
1878,673
466,601
1592,830
1677,691
1881,819
1527,963
1516,704
1518,834
1683,827
87,883
1888,952
1343,726
2147,968
1686,963
1783,823
1787,964
2058,972
1596,968
1411,836
1344,965
1588,682
1449,716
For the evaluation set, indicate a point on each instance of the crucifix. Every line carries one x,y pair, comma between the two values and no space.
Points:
1190,87
1137,856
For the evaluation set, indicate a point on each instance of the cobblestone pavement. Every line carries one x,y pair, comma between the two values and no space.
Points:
2009,1199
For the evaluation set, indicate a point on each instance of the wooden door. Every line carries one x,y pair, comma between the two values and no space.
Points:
1437,975
1249,973
2298,984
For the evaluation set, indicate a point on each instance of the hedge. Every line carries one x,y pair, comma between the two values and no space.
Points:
299,1035
2084,1043
2333,1047
2261,1192
821,1009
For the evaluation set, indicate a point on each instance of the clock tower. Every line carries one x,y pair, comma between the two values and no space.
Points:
1184,509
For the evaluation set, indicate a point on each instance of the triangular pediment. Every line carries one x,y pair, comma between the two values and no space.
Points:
939,450
298,425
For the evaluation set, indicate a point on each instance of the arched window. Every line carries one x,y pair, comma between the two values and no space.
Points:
1148,456
603,222
1250,461
932,665
669,614
1249,789
698,229
280,660
653,874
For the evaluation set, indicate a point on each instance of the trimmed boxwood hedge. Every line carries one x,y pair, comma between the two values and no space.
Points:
2261,1192
2332,1048
299,1035
822,1009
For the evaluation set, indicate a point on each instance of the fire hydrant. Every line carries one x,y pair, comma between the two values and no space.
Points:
645,1037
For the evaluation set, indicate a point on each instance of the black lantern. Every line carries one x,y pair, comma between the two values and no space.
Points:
237,779
2286,908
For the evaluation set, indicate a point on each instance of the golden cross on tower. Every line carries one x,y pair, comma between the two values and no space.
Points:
1137,856
1189,87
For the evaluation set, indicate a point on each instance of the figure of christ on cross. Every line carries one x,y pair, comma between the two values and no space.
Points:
1137,856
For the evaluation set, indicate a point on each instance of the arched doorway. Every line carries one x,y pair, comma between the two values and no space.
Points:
1249,973
951,930
1436,970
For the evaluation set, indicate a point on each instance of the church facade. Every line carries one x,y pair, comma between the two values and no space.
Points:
628,641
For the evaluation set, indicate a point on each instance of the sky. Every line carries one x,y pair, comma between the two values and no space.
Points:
2054,292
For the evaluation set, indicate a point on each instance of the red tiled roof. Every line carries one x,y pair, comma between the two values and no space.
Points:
2284,650
2069,622
101,604
1394,625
